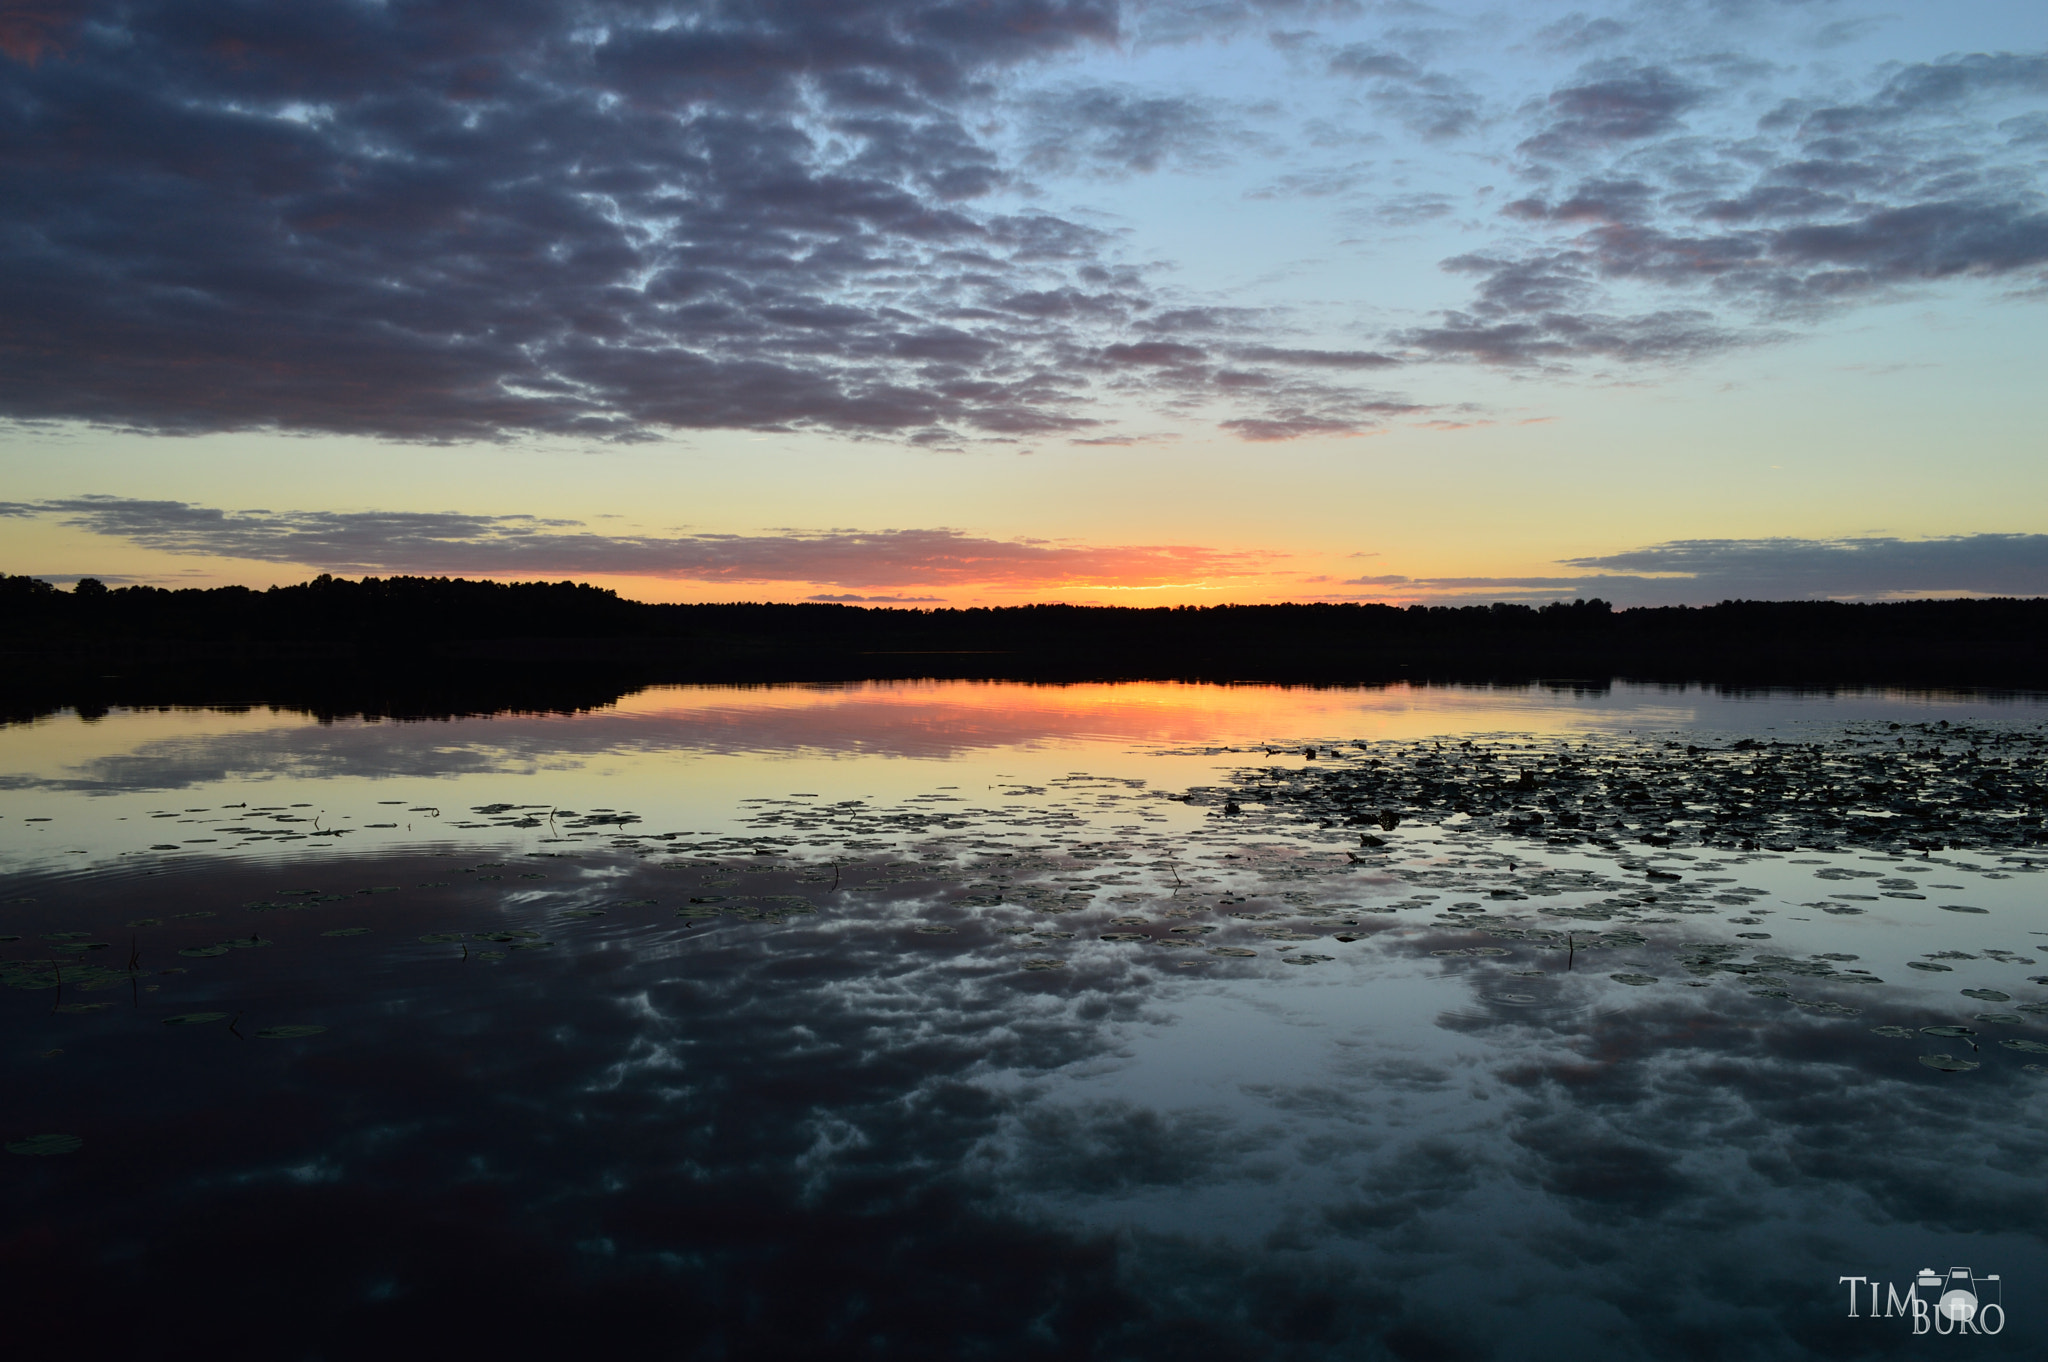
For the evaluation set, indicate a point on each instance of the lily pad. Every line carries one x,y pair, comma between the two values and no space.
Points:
1960,908
1895,1032
1637,979
1125,936
1987,995
1044,963
1948,1063
347,931
43,1145
441,938
201,952
1928,966
195,1018
1947,1032
288,1032
935,929
75,1008
1230,951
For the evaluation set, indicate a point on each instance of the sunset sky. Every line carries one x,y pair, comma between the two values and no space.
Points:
996,301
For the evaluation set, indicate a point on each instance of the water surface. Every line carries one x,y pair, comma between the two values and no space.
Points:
982,1019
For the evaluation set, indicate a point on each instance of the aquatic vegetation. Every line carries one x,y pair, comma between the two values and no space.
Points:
43,1146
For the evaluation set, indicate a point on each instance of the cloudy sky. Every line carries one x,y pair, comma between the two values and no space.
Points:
991,301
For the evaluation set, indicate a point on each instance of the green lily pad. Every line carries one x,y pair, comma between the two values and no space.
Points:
347,931
1636,979
1987,995
1947,1032
75,1008
195,1018
289,1032
43,1145
2001,1018
441,938
1928,966
1230,951
1948,1063
202,952
2032,1047
1895,1032
1960,908
1044,963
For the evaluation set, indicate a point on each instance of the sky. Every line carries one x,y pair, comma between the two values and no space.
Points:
987,302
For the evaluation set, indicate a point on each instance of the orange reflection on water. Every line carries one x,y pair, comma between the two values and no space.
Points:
941,718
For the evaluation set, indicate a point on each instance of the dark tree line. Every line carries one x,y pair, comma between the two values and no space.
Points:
1976,641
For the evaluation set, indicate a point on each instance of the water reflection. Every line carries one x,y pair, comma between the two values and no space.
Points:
726,1091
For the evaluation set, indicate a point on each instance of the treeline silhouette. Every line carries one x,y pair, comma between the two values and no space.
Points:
395,623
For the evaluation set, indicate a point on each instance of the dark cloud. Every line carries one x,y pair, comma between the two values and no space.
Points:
846,599
1428,103
1616,103
432,543
1987,564
1106,130
1827,203
1703,571
1578,33
437,221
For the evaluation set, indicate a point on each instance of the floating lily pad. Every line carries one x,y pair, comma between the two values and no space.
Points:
935,929
1947,1032
1636,979
2032,1047
44,1145
202,952
1230,950
1928,965
1043,963
1125,936
347,931
2001,1018
82,1007
1895,1032
1308,959
1987,995
195,1018
288,1032
1948,1063
441,938
1960,908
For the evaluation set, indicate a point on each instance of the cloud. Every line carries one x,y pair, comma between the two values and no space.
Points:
1430,104
1704,571
1816,206
847,599
434,543
1113,131
1982,564
1619,103
438,222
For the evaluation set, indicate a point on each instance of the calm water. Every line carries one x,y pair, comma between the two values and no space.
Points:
968,1020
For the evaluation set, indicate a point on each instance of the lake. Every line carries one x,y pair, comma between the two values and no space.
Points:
981,1019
